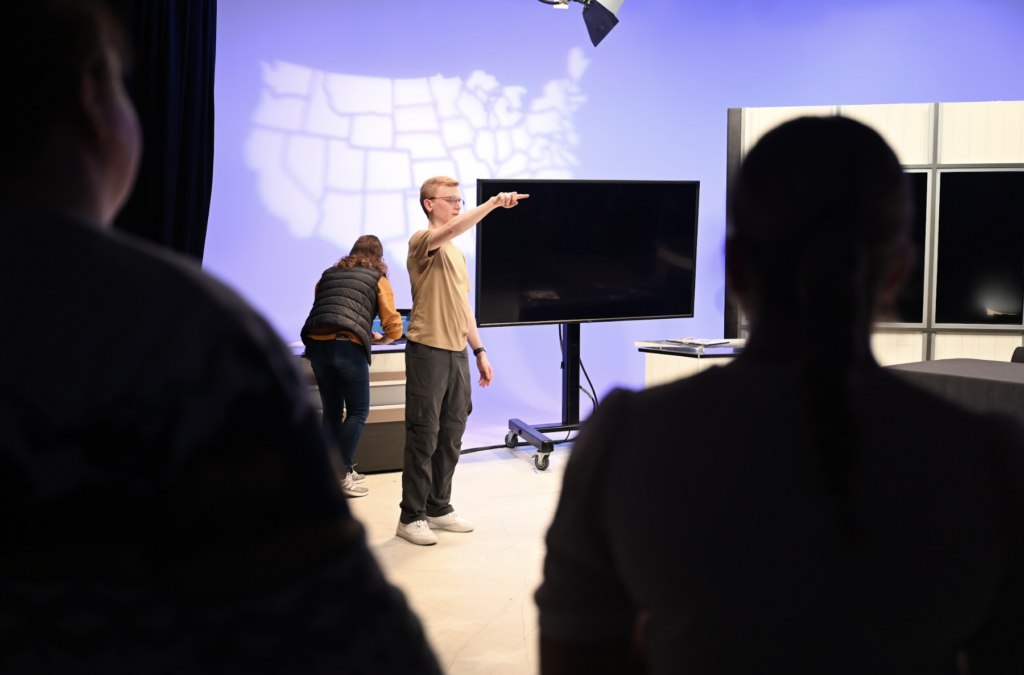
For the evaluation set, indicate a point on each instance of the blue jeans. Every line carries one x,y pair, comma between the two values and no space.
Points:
344,380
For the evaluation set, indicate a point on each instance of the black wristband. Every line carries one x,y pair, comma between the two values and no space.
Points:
478,351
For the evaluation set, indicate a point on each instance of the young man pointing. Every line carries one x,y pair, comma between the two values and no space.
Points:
437,393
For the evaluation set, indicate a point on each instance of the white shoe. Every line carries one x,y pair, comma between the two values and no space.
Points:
356,477
450,522
350,489
417,533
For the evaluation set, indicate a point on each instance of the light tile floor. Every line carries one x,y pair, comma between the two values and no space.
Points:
474,592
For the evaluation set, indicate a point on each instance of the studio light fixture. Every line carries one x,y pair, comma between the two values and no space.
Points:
599,15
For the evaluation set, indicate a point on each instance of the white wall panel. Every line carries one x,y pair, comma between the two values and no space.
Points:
662,368
379,364
717,362
905,127
388,363
759,121
671,368
982,133
893,348
975,346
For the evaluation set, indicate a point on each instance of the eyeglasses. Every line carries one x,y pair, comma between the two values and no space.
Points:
454,201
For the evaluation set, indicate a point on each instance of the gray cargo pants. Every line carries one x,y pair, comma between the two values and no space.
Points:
437,403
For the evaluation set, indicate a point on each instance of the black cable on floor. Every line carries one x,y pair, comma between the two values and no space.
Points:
518,445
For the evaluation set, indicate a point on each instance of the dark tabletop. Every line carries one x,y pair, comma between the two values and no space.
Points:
985,386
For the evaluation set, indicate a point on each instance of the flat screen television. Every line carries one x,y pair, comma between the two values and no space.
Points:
586,250
910,302
980,268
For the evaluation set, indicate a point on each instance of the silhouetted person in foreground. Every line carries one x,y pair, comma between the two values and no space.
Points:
167,501
800,510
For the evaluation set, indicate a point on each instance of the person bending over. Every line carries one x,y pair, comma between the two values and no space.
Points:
814,513
167,500
437,392
337,335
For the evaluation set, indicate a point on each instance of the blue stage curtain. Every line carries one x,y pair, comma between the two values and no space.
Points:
173,48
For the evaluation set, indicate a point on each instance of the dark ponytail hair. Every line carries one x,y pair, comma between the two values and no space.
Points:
821,211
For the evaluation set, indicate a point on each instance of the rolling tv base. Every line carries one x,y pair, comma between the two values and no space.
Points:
535,434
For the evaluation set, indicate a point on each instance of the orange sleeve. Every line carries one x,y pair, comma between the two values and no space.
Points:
390,319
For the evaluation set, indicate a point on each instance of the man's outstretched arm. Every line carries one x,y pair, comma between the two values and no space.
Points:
464,221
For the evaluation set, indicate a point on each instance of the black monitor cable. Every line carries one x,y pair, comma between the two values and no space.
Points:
593,397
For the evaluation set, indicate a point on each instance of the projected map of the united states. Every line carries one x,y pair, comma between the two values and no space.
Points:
341,155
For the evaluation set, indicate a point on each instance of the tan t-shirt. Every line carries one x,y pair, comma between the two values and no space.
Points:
440,287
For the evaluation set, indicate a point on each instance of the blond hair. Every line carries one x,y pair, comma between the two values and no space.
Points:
429,189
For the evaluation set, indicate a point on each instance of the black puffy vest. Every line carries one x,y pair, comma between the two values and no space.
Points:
346,299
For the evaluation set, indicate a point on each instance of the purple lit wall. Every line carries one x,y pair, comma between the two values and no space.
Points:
331,112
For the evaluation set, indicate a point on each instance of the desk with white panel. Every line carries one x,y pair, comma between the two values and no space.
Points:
664,364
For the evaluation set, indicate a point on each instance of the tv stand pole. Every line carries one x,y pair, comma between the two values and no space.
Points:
535,434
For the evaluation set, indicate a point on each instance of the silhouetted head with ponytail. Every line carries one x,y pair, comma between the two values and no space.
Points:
800,510
818,239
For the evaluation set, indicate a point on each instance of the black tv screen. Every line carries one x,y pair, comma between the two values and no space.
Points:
980,271
581,251
910,303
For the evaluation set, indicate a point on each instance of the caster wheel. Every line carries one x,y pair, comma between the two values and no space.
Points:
541,462
511,440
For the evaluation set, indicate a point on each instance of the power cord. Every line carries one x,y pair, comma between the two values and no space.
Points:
520,444
594,396
594,400
561,347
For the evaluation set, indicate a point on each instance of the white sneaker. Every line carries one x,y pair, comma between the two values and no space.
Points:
350,489
450,522
356,477
417,533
